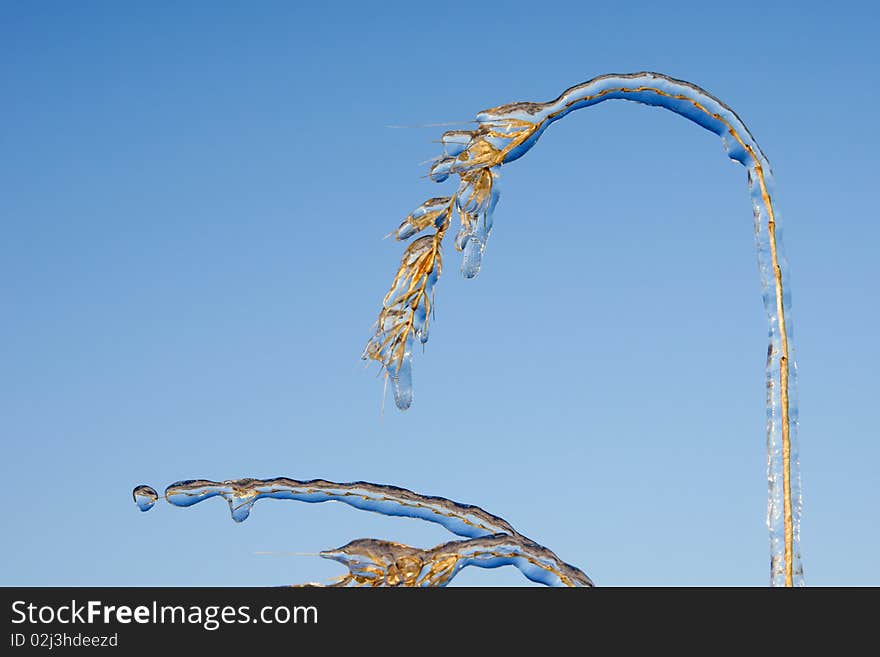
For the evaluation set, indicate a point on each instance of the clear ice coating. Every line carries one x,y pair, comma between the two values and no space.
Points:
376,563
145,497
491,541
504,134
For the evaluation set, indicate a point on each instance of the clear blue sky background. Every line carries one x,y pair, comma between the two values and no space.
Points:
193,201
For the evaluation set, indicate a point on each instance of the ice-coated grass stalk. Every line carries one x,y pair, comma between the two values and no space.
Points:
490,541
506,133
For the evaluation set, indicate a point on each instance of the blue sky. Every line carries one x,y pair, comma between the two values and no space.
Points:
193,204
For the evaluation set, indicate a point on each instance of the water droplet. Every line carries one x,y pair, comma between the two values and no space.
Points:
420,323
145,497
401,383
240,506
472,257
455,141
441,169
406,230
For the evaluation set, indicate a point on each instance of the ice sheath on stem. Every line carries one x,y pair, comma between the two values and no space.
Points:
505,133
490,541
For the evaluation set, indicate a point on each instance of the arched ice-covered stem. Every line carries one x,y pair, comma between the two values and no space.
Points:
504,134
490,540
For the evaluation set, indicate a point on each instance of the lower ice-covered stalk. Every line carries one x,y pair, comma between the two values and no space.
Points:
490,541
505,133
372,562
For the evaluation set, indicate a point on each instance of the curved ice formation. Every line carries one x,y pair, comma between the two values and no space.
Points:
373,562
507,132
242,494
492,541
